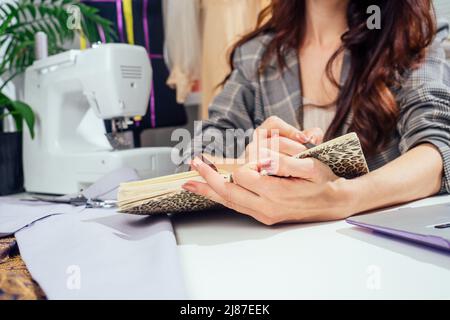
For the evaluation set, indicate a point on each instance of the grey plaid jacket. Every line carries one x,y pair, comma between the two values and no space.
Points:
249,97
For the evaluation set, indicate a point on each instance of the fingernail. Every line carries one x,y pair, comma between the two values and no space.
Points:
268,168
197,163
189,187
264,163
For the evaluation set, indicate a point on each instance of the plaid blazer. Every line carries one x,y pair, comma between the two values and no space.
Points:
249,97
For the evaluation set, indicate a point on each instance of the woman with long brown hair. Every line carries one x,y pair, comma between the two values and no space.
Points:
316,69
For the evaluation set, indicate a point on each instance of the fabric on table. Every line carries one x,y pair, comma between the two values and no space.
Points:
106,188
99,254
15,280
140,252
16,214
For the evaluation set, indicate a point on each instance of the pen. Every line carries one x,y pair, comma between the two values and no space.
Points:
309,145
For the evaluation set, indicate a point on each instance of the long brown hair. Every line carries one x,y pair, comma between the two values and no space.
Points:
380,58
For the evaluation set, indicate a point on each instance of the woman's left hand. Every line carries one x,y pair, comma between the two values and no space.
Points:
298,190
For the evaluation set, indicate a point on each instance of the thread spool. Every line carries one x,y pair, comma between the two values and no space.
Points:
41,45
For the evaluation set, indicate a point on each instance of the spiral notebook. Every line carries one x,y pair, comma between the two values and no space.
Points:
343,155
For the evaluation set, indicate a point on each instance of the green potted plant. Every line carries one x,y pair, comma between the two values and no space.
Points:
20,20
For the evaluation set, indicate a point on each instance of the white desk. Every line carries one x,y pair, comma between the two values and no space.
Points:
229,256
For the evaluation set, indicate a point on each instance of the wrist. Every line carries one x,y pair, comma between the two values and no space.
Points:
349,196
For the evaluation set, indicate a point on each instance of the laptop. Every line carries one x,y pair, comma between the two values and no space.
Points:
427,225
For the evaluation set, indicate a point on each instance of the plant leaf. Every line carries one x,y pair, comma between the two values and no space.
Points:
26,113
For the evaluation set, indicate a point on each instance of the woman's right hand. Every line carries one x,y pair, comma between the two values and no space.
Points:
274,134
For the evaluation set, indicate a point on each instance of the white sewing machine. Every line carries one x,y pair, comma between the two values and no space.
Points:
72,93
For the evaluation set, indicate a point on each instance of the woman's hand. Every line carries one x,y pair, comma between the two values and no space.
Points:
276,135
303,190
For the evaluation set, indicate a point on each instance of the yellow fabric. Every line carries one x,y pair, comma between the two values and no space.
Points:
224,22
83,42
128,16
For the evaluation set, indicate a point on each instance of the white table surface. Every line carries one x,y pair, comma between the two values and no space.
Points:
229,256
225,255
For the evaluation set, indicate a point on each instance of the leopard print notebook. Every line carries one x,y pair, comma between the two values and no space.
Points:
162,195
343,155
